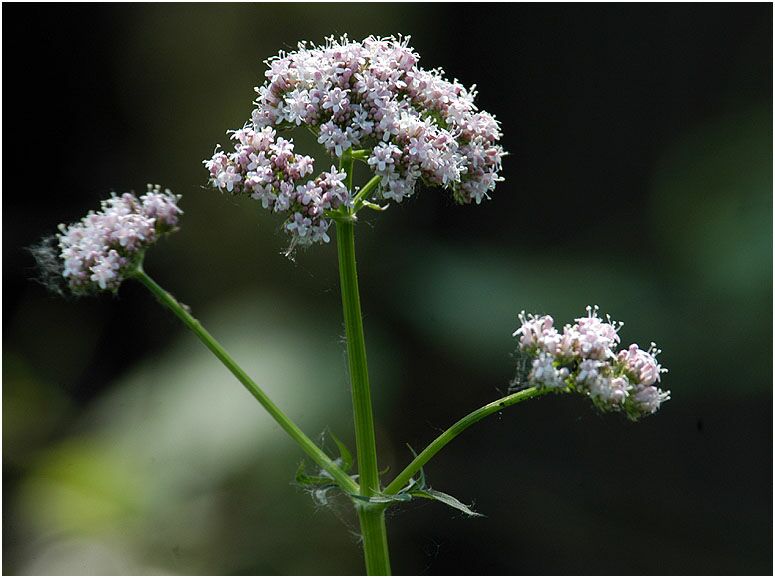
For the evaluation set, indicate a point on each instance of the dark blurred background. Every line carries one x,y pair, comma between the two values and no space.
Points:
640,179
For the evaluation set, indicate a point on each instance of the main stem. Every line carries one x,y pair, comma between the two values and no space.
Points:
356,356
314,452
371,516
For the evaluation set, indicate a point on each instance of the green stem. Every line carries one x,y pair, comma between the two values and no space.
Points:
356,356
312,450
447,436
366,189
347,163
372,517
375,546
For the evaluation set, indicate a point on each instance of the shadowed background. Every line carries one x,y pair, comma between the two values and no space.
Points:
640,179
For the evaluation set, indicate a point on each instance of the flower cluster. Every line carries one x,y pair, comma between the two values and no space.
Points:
265,166
583,358
96,253
410,125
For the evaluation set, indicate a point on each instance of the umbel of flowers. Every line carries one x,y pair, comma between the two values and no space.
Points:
583,358
408,124
102,248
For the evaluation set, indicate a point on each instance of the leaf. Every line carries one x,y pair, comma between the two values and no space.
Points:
445,499
304,479
344,453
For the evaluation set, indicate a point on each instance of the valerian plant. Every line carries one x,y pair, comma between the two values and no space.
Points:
366,102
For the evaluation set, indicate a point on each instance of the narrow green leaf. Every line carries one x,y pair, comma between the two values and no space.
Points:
344,453
304,479
445,499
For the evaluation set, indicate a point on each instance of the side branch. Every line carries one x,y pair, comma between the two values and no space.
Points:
365,190
313,451
403,478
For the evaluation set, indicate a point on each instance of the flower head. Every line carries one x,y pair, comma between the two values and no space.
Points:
96,253
582,359
413,124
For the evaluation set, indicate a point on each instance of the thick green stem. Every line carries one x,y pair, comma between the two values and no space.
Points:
356,356
312,450
372,517
375,546
447,436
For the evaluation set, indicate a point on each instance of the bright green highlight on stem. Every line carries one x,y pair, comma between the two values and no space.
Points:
312,450
447,436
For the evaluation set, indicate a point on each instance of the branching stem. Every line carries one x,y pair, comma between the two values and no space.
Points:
365,190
